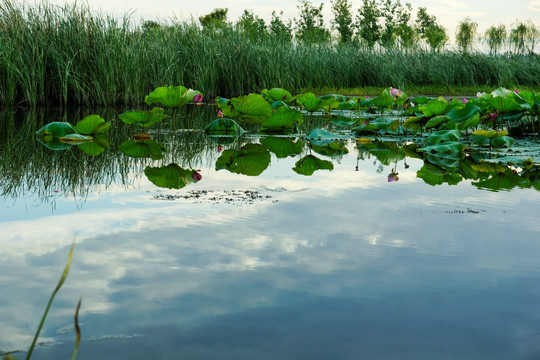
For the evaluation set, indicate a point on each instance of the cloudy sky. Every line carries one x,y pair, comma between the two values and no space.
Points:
448,12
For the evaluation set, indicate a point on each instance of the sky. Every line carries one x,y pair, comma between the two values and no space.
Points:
448,12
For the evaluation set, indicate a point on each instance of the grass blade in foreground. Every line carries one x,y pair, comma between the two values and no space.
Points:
60,283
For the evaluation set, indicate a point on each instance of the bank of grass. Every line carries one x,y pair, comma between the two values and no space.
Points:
70,55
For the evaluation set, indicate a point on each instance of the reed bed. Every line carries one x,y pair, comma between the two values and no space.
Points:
71,55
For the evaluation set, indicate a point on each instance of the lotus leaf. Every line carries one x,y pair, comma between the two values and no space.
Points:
437,121
322,137
434,175
278,104
224,126
171,176
334,149
464,114
471,122
501,181
251,160
225,106
309,164
91,148
92,124
282,147
144,118
171,96
502,101
386,152
442,136
435,108
251,108
75,139
142,149
490,134
385,100
415,122
343,121
377,125
309,102
277,94
282,120
56,130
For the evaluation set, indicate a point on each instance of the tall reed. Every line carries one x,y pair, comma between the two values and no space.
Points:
70,55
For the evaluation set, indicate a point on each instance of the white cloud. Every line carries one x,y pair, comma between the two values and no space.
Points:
534,5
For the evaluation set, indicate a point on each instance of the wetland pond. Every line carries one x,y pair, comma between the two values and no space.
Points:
270,247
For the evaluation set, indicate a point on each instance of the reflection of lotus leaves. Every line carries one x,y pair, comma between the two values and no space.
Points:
251,160
171,176
309,164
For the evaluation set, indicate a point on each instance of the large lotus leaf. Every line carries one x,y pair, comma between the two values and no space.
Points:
251,160
464,114
334,149
343,121
410,150
348,105
385,100
277,94
92,124
328,101
471,122
251,108
91,148
386,152
309,102
501,101
171,176
75,139
511,116
450,148
377,125
415,122
171,96
437,121
422,100
53,143
309,164
142,149
322,137
490,134
278,104
488,167
144,118
282,120
56,130
224,126
436,107
223,139
434,175
443,161
500,181
502,141
282,147
442,136
225,106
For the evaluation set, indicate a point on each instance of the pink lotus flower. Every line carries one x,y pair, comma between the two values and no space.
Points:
197,98
366,97
284,97
395,92
196,175
516,91
220,114
464,100
393,177
219,148
492,116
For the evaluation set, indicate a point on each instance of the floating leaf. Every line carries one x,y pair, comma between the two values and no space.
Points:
144,118
434,175
435,107
309,164
309,102
251,160
277,94
74,139
171,96
56,130
282,147
225,106
322,137
251,108
92,124
442,136
282,120
142,149
224,126
171,176
91,148
436,121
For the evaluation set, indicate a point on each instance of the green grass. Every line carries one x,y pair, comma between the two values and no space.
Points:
70,55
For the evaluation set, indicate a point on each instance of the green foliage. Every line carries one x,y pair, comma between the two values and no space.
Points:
251,108
171,96
55,130
343,21
279,29
92,124
369,29
251,160
277,94
224,127
252,26
495,37
217,18
282,147
309,164
282,120
310,23
143,118
142,149
321,137
465,33
171,176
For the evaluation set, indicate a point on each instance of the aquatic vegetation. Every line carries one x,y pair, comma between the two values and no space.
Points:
171,176
143,118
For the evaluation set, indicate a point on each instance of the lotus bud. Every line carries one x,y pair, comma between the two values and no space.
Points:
220,114
492,116
393,177
284,97
196,175
516,91
366,97
219,148
464,100
197,98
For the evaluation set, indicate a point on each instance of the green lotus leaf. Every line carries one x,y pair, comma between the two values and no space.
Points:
75,139
501,181
282,120
282,147
171,96
144,118
278,104
56,130
277,94
377,125
91,148
437,121
464,114
251,160
502,141
490,134
349,105
92,124
224,126
447,147
512,116
343,121
331,101
53,143
502,101
443,161
142,149
322,137
309,164
434,175
251,108
171,176
415,122
422,100
436,107
225,106
223,139
471,122
334,149
385,100
309,102
386,152
442,136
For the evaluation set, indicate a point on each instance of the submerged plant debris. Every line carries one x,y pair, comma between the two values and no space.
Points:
233,197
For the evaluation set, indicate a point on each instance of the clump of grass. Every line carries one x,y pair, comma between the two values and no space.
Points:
70,55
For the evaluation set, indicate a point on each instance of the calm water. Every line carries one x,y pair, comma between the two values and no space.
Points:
342,264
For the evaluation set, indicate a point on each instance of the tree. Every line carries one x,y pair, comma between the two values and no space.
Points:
495,38
518,37
428,29
343,21
368,22
388,12
465,33
310,26
279,29
405,32
251,25
217,18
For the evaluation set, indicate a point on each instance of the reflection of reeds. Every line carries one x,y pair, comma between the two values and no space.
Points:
29,167
59,55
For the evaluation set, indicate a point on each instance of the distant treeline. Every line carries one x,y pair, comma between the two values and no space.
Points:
70,55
